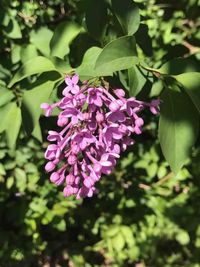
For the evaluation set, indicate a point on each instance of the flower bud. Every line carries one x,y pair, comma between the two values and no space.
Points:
62,121
54,177
50,166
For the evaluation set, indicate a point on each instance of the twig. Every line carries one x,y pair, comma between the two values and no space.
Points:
192,49
165,178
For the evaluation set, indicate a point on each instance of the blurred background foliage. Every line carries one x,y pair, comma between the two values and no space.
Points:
143,214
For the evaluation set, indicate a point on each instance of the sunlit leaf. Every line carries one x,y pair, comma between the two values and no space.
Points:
87,68
118,55
33,66
41,39
32,100
63,36
191,83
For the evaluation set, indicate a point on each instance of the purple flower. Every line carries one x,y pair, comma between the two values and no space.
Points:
84,139
48,109
94,97
52,152
72,85
154,106
96,126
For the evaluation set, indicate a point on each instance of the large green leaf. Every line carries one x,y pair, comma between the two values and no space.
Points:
178,127
28,52
12,30
15,53
118,55
4,111
41,40
10,122
86,69
37,133
96,17
32,100
180,65
61,65
136,81
33,66
62,38
191,83
127,12
5,96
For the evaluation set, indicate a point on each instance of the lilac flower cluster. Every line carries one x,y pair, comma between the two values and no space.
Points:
96,126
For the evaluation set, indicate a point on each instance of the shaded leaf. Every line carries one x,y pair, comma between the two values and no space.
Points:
178,127
127,12
144,40
96,18
136,81
179,65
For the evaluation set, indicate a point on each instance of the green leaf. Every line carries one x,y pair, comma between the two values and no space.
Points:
61,226
15,53
2,170
13,124
41,40
180,65
191,83
32,100
4,114
5,96
136,81
62,38
28,52
127,12
183,238
112,230
37,133
61,65
21,179
178,127
96,18
12,30
128,235
86,69
33,66
9,182
118,242
118,55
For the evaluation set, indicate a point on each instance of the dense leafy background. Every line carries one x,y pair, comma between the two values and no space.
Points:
144,215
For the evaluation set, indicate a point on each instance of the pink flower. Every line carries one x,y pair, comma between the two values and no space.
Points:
48,109
95,127
72,85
